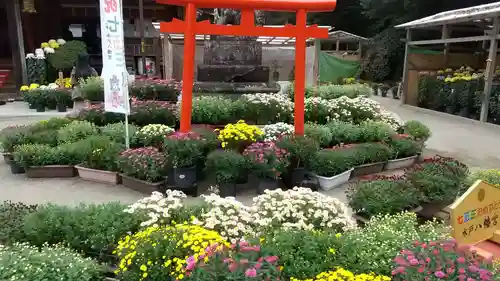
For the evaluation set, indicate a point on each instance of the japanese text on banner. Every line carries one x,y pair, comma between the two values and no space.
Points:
114,72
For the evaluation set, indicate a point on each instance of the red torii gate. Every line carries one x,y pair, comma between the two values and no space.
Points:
190,27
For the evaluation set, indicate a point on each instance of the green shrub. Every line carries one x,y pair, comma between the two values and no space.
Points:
12,219
491,176
343,132
90,229
92,89
65,57
302,253
302,149
368,153
439,178
403,147
116,132
321,134
328,163
48,137
385,196
372,248
162,90
153,112
32,155
26,262
98,152
76,131
225,166
372,131
13,136
417,130
213,110
52,123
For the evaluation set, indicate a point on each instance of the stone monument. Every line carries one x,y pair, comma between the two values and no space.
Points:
233,64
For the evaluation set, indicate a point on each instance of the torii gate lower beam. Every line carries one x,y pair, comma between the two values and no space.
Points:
247,28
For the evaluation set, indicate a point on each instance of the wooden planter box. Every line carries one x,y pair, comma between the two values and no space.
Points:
401,163
142,186
51,171
98,175
368,169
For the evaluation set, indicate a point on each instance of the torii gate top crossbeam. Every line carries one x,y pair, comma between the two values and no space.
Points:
266,5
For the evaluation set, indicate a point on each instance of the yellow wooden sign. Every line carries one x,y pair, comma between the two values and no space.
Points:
475,216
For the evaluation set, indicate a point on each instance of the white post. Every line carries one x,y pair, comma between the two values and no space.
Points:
490,69
406,69
127,138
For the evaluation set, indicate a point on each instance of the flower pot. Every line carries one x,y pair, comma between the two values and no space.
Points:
401,163
329,183
185,177
61,108
429,210
51,171
142,186
295,177
227,190
265,184
368,169
15,168
7,157
40,108
98,175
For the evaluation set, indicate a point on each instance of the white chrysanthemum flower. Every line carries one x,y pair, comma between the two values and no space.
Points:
61,41
274,131
158,207
30,56
48,50
52,86
39,53
43,87
227,216
300,208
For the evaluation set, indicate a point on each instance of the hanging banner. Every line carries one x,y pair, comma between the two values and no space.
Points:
114,71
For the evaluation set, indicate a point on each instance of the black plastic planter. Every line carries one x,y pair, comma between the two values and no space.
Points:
40,108
185,177
16,169
295,177
32,106
61,108
227,190
265,184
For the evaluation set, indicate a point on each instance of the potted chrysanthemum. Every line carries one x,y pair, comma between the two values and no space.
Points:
142,169
268,162
302,150
226,167
183,153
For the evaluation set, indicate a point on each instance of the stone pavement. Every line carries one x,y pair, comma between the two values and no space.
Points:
470,141
466,140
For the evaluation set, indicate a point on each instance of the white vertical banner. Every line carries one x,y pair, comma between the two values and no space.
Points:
114,71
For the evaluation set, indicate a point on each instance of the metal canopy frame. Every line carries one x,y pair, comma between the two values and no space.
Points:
484,19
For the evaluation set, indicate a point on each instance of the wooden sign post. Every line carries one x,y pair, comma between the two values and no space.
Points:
475,216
